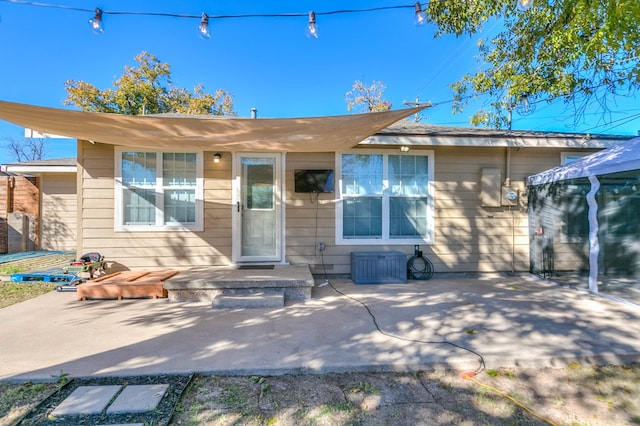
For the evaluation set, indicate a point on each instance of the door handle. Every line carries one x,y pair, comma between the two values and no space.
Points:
238,203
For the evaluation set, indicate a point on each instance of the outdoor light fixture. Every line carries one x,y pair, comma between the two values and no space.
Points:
420,18
312,28
524,105
97,27
203,28
524,4
404,148
217,157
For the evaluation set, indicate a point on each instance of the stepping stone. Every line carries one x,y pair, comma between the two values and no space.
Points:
86,400
138,399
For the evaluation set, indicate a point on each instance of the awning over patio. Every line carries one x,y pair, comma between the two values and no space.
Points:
313,134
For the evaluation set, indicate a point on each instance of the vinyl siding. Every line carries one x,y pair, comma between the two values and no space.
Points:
59,211
309,220
468,237
156,249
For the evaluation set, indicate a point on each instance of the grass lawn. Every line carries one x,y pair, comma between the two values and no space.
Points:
16,292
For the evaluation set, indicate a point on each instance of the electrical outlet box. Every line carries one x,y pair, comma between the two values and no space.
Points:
320,245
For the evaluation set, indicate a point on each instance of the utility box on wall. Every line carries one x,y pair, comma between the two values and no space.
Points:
378,267
490,187
509,196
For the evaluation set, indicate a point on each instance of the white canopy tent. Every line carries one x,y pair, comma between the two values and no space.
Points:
620,158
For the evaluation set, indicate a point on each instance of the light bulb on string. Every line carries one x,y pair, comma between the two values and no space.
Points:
420,19
203,28
96,24
524,5
312,27
524,104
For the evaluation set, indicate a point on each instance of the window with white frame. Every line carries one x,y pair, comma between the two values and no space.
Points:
385,198
158,190
570,157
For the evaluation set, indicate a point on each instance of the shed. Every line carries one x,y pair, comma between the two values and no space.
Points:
584,216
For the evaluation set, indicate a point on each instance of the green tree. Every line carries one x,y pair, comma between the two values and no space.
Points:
363,98
585,52
147,89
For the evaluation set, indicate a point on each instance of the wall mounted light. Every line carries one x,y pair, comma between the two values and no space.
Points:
404,148
217,157
312,27
203,28
97,27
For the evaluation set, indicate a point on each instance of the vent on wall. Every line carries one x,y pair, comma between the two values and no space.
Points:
328,267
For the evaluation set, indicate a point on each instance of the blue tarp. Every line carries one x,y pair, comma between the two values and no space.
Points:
12,257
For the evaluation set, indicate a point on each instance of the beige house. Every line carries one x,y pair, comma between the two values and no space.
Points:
55,194
193,198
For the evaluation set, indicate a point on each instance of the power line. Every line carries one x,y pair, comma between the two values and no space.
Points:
624,120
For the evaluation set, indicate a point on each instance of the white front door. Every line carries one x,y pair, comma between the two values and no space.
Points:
257,208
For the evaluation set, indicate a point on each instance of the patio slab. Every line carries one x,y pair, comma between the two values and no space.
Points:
86,400
138,398
501,321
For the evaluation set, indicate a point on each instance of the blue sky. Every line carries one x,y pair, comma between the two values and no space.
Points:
266,63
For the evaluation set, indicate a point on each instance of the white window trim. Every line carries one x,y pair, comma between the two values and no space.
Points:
427,239
564,156
119,225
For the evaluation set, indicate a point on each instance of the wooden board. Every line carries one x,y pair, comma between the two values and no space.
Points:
121,284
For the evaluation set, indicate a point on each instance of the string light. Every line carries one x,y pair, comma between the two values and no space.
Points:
97,27
420,18
312,27
203,28
524,5
524,104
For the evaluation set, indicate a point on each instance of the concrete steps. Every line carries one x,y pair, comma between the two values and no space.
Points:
205,284
249,300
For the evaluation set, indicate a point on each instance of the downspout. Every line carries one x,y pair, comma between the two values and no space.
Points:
594,245
507,172
507,183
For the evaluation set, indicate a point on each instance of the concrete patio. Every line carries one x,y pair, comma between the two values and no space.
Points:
442,323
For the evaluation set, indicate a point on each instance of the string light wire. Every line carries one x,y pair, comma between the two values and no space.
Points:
410,6
199,16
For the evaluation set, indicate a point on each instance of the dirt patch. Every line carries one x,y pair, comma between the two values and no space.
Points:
575,395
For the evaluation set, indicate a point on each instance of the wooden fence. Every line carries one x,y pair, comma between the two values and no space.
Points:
19,214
